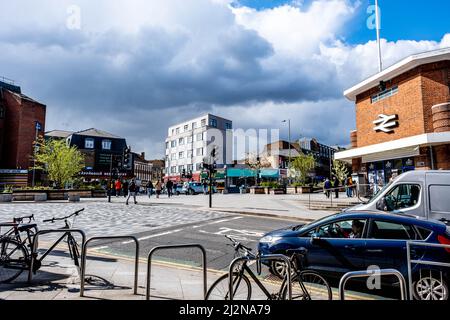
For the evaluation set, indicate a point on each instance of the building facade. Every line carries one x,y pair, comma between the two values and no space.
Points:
142,168
22,120
190,141
402,118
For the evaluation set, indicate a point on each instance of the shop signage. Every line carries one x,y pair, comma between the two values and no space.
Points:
386,123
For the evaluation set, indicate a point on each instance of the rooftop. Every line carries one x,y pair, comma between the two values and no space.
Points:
397,69
58,133
92,132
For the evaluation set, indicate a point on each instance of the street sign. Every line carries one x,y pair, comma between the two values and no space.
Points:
38,126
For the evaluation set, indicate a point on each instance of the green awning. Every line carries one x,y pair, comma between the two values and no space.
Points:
269,173
240,173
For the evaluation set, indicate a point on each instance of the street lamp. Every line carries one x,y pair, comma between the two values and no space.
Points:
289,142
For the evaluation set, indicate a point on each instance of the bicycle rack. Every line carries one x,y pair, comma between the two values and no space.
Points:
431,263
264,257
366,273
35,244
84,255
170,247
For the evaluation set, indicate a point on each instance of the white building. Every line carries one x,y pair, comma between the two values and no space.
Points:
189,142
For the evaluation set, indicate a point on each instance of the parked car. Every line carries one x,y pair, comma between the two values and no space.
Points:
354,241
419,193
194,188
178,189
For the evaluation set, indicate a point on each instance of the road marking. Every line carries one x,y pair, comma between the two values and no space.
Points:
154,235
99,248
217,222
237,234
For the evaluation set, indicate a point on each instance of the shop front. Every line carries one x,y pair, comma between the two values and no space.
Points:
402,119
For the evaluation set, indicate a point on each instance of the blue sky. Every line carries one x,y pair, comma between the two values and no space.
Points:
401,19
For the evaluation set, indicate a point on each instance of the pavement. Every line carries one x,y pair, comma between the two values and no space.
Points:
112,277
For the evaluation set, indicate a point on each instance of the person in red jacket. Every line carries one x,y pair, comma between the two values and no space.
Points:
118,187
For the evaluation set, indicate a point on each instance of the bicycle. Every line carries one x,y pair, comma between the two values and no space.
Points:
15,256
307,284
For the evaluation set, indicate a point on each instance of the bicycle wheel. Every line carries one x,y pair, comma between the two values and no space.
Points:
220,290
13,259
311,287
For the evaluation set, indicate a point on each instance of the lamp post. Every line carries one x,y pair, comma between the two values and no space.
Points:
289,143
37,128
378,26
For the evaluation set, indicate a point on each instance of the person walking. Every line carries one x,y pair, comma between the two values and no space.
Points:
158,188
118,186
327,187
349,187
125,188
150,188
336,187
205,187
132,192
169,186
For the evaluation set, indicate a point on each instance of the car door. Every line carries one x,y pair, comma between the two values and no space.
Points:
386,243
336,252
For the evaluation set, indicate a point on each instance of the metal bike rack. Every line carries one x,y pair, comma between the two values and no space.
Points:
264,257
84,255
170,247
35,244
365,273
430,263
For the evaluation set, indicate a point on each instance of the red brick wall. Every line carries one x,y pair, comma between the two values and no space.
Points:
19,131
419,90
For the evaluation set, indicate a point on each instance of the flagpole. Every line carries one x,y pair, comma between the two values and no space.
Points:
377,14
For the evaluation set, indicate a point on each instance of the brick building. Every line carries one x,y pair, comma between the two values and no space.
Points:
21,119
402,118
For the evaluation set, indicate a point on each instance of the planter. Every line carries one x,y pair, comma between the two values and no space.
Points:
291,190
277,191
99,194
257,190
74,197
58,195
40,197
6,197
304,189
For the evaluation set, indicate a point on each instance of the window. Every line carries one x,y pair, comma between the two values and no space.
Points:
403,196
180,169
186,127
440,198
199,151
189,153
228,126
189,139
167,145
194,125
180,141
199,136
198,166
213,122
181,155
173,169
385,94
177,131
106,144
391,231
173,131
173,143
424,233
203,122
89,143
174,156
190,167
343,229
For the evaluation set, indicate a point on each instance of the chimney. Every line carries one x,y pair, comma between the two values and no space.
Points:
143,155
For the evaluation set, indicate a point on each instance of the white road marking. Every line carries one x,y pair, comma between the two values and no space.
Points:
237,234
99,248
154,235
217,222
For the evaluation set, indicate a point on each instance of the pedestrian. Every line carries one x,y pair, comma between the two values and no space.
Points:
150,188
205,187
138,186
132,192
118,187
336,187
349,187
327,187
125,188
158,188
169,186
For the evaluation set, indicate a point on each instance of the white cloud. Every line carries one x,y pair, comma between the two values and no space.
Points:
141,65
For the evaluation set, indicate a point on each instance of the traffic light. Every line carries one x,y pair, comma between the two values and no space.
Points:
127,158
183,174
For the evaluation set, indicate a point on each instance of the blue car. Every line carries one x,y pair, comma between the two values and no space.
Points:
355,241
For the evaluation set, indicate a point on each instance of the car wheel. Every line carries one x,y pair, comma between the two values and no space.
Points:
278,268
191,192
178,193
430,287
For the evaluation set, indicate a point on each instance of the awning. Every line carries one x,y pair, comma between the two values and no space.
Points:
240,173
269,173
400,148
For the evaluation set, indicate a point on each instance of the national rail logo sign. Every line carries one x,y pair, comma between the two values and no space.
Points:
386,123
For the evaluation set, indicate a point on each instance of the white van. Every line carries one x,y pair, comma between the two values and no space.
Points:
425,194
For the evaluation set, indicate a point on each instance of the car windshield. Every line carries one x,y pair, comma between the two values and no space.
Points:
374,197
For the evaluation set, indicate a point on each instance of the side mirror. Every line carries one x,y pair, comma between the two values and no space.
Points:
315,238
381,204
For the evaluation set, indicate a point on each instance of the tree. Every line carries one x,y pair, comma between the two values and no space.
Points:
257,162
302,165
340,170
61,161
